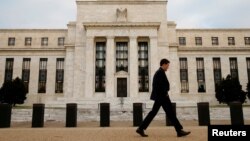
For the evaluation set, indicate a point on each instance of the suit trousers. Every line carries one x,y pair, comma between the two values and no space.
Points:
166,104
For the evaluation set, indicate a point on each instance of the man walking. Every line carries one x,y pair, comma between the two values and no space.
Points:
161,99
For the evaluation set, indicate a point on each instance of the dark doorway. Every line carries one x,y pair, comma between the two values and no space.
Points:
121,87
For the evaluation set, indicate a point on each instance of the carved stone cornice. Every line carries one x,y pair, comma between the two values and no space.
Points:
88,25
216,49
32,49
89,2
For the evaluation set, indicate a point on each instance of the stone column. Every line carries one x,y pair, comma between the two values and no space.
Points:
174,71
17,67
79,62
2,69
242,71
51,75
225,66
192,75
69,72
110,67
209,75
34,75
79,71
153,59
133,67
90,68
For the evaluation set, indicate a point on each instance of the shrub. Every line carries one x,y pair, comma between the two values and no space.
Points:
13,92
230,90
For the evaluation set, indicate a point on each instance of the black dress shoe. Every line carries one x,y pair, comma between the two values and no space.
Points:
141,132
182,133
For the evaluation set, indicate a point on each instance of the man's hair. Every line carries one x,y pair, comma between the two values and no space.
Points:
164,61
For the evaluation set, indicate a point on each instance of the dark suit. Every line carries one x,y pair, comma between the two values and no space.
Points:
160,96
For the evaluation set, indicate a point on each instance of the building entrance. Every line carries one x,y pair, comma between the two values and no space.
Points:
121,87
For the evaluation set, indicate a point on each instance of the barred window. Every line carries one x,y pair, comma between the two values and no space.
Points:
42,75
248,68
143,66
182,41
217,70
59,75
200,75
100,66
61,41
11,41
45,41
184,75
198,41
26,73
28,41
121,56
215,41
247,40
231,41
8,69
234,67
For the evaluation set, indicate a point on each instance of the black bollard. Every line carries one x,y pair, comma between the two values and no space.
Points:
203,113
38,115
71,115
104,115
137,114
5,115
236,113
168,122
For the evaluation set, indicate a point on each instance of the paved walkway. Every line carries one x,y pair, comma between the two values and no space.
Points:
90,131
100,134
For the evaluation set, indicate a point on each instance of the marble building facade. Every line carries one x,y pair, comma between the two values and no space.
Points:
111,52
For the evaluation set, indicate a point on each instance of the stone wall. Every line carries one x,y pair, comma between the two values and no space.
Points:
183,113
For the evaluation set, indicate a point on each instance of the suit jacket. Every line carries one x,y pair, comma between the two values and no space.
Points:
160,85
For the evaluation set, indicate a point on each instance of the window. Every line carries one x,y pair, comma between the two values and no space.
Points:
100,61
28,41
215,41
200,75
248,68
26,73
121,56
143,66
59,75
61,41
217,70
42,75
182,41
234,68
247,40
231,41
198,41
11,41
44,41
8,69
184,75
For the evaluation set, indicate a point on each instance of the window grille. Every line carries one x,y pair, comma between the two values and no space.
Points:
200,75
42,75
100,66
184,75
59,75
121,56
143,66
26,73
9,69
234,68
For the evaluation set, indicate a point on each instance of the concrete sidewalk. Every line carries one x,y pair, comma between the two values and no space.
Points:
100,134
91,131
